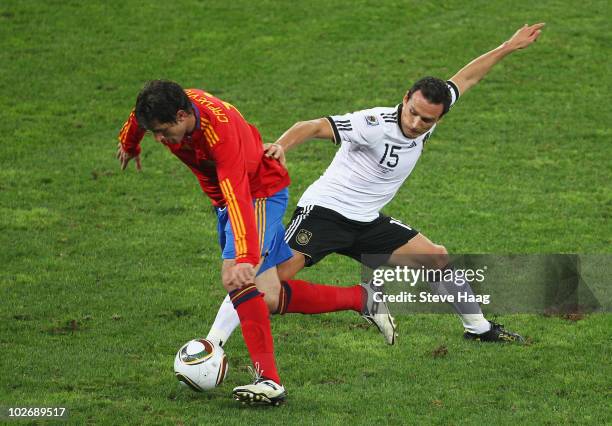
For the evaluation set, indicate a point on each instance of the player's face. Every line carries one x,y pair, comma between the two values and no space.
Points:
419,115
168,133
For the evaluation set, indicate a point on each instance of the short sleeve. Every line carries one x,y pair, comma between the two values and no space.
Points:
454,90
361,128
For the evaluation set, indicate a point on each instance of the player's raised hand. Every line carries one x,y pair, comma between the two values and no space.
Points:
525,35
124,158
275,151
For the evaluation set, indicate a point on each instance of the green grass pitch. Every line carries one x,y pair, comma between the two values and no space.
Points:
103,274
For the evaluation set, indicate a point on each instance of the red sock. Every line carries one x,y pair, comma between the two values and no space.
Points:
255,324
302,297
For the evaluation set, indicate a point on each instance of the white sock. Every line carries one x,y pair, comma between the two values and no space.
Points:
475,323
225,323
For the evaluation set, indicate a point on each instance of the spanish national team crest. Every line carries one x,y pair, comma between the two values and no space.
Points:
303,237
372,120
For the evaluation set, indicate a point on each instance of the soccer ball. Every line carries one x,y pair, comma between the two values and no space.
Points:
200,364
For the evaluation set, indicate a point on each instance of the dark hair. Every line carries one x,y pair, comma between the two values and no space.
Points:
160,100
434,90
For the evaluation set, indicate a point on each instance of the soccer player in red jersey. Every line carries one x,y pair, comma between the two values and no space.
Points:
249,193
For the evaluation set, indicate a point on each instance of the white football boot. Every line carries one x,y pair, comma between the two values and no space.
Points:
377,313
261,392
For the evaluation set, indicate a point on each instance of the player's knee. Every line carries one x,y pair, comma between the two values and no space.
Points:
271,298
439,257
285,272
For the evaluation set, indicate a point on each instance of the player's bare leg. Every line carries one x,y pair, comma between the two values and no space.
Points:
420,251
289,269
269,284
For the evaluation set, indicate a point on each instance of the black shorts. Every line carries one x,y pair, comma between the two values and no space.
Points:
316,232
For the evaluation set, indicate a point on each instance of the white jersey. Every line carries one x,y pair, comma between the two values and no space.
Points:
374,159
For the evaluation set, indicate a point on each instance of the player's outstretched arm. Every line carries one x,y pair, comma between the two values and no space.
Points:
473,72
298,133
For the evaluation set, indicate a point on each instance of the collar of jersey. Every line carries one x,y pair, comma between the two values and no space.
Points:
197,114
399,121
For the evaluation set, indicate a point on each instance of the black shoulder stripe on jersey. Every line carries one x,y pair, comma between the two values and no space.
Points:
343,121
390,117
399,124
454,88
390,120
337,139
344,127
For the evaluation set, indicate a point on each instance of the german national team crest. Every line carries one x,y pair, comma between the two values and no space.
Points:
372,120
303,237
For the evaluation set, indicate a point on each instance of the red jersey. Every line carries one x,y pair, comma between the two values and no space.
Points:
225,152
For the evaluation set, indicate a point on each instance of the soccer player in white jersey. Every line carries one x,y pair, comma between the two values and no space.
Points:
379,147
